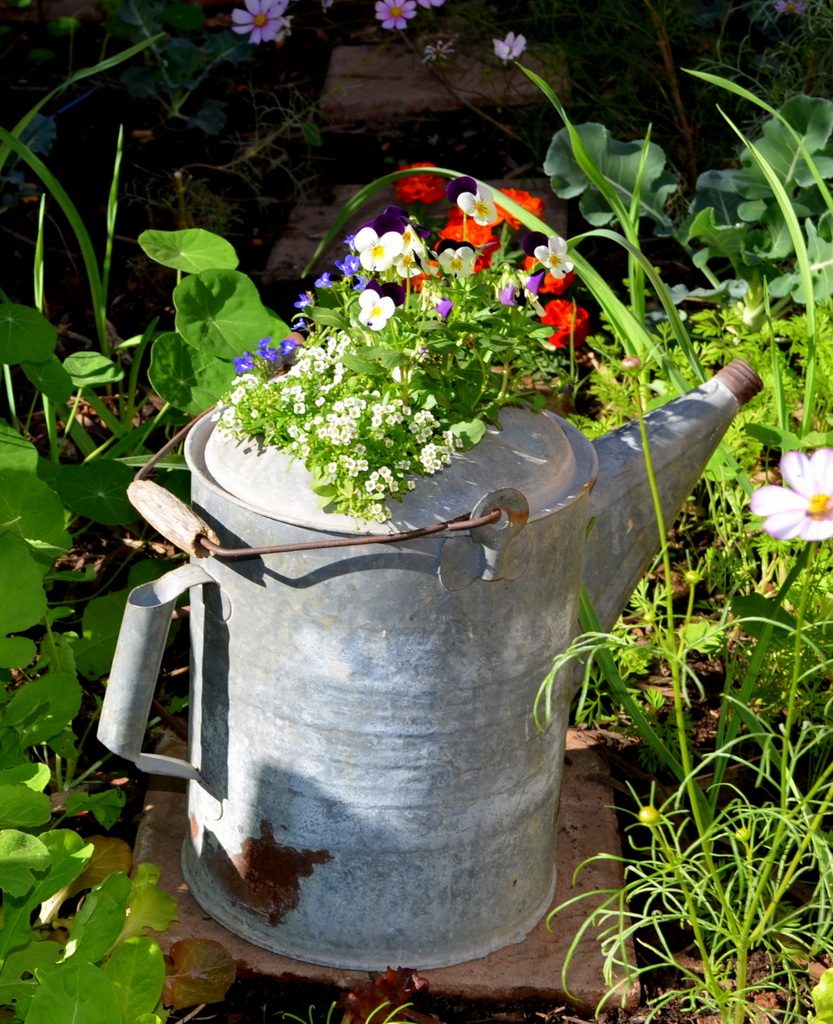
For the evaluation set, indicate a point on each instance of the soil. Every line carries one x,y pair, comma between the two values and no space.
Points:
172,177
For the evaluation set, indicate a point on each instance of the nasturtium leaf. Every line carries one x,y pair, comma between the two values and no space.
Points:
822,996
18,981
22,858
25,334
16,651
105,807
78,992
469,432
21,807
188,378
100,919
87,369
31,510
35,776
15,451
191,250
43,707
220,311
22,597
50,378
201,972
137,970
149,906
100,626
97,490
183,17
753,608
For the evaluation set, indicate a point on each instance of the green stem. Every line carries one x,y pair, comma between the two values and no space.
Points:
789,721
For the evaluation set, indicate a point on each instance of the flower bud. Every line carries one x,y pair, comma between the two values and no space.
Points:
649,815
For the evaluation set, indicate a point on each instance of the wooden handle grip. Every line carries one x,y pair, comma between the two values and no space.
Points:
170,517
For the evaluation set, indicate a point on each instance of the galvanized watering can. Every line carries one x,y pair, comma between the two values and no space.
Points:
367,786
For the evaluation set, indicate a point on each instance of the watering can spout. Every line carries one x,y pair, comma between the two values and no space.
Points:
682,436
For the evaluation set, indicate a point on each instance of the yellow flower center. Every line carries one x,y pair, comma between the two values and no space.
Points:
377,252
395,11
481,209
820,506
260,20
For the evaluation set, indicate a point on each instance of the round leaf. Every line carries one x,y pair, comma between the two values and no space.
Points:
21,856
188,378
15,451
25,334
137,970
220,311
90,368
50,378
31,510
97,490
22,598
191,250
78,992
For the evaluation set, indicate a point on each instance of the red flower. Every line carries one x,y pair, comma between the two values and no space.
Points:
525,199
570,321
419,188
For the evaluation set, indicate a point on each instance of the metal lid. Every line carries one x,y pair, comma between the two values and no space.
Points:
539,454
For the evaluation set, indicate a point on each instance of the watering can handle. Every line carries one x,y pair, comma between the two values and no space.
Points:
141,643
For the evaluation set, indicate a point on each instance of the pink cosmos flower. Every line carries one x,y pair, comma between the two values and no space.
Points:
804,508
395,13
511,47
262,20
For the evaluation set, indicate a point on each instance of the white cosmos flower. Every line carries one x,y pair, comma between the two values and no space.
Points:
377,253
376,309
553,256
478,205
458,262
511,47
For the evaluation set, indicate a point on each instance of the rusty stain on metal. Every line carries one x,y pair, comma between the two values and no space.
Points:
266,875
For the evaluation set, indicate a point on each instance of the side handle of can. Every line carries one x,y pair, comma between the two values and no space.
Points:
139,650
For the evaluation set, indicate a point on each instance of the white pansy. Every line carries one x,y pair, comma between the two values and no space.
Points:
478,205
458,262
553,256
376,309
375,252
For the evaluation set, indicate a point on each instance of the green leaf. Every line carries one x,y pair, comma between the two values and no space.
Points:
50,378
822,996
22,597
774,437
202,972
17,975
78,993
136,969
470,432
757,607
16,651
190,250
20,807
105,807
188,378
15,451
100,919
220,311
22,859
42,708
97,490
35,776
25,334
149,906
29,509
619,163
90,368
183,17
100,626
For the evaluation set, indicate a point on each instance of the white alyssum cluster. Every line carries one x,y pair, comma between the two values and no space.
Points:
361,441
